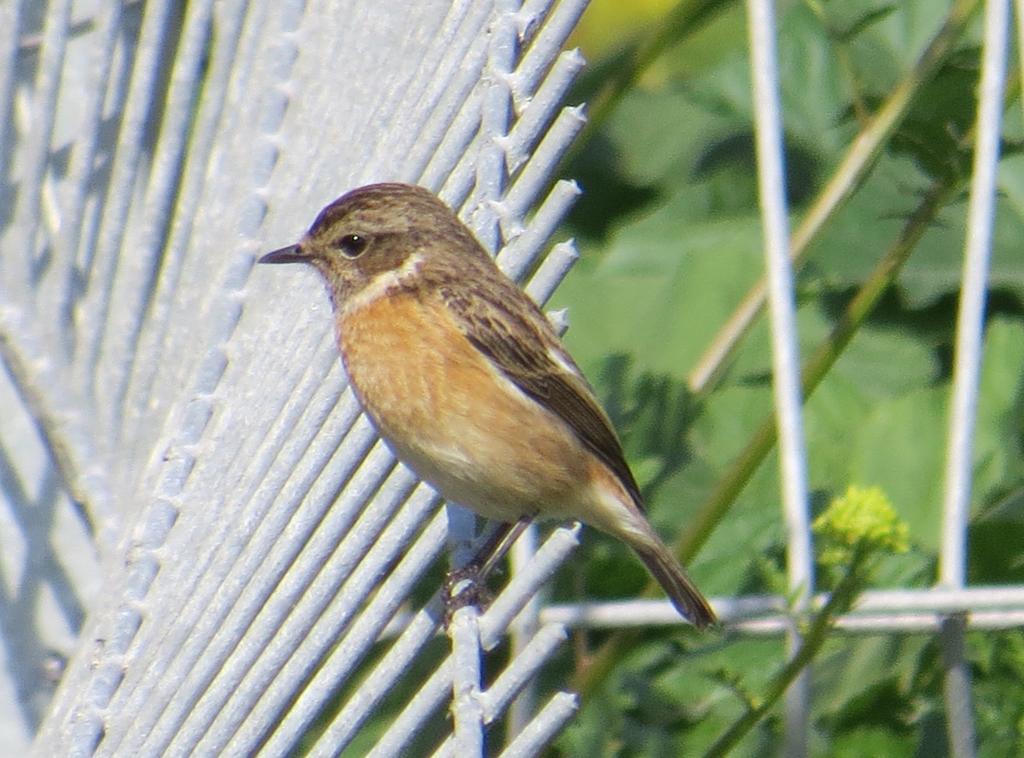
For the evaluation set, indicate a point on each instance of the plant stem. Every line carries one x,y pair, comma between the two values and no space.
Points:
816,367
839,602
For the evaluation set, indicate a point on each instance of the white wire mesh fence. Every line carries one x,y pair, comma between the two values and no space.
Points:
220,605
205,463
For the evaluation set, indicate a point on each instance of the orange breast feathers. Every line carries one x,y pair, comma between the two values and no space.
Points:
453,417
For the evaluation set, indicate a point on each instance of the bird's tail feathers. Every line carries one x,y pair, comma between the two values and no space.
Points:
683,593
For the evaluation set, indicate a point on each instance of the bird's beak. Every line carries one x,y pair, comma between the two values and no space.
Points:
290,254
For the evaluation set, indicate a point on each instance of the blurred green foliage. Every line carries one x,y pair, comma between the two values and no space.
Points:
669,231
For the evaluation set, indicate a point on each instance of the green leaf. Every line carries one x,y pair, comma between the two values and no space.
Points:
665,285
998,452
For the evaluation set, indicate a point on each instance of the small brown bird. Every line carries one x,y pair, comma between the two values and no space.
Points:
465,378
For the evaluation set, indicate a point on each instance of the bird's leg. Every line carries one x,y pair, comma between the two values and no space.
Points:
465,585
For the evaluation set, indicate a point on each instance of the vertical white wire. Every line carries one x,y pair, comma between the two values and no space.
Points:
491,177
785,357
967,369
467,707
523,629
967,358
495,119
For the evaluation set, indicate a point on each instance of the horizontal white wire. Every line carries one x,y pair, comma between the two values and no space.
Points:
554,268
766,614
548,42
536,174
535,115
896,622
539,732
517,257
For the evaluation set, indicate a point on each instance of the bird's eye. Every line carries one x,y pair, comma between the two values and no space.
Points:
352,245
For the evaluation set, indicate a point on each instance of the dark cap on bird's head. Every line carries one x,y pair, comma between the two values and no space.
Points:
378,228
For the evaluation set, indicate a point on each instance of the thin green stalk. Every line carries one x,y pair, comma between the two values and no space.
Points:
821,625
814,370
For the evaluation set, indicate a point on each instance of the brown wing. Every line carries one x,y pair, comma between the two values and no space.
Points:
519,341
